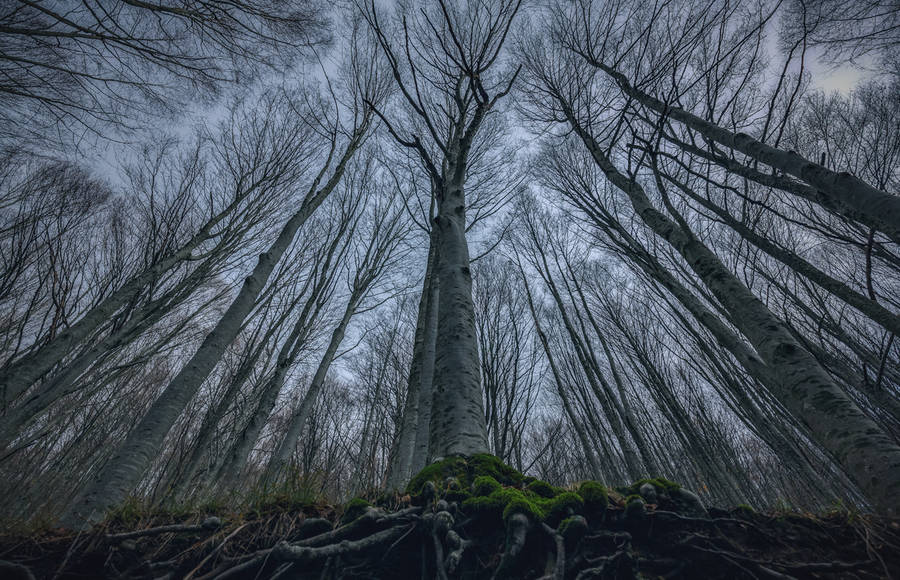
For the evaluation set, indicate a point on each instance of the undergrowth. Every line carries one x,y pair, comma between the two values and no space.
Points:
463,517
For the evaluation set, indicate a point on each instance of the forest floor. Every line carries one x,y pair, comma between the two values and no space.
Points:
524,529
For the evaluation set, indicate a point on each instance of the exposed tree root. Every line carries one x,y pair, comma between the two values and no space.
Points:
440,540
559,566
212,523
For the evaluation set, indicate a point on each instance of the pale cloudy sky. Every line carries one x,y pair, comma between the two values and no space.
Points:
836,78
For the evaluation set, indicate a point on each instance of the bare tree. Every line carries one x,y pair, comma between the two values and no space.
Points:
96,65
125,469
380,250
448,88
564,83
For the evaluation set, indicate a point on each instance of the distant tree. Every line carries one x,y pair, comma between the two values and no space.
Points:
125,469
95,65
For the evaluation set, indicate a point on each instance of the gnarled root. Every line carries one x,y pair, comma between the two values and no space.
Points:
459,546
289,552
517,527
211,524
15,571
559,567
334,543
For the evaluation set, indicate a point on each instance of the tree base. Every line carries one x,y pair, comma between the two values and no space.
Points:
460,524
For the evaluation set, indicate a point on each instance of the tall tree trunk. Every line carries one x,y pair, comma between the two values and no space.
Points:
65,383
426,374
282,455
181,487
457,421
586,446
124,470
362,467
23,373
599,385
401,468
875,311
871,457
321,278
841,192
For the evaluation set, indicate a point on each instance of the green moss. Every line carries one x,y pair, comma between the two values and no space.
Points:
521,505
562,506
594,496
484,485
483,504
495,503
661,485
436,473
506,501
464,470
354,508
572,529
543,489
496,489
634,506
745,508
487,464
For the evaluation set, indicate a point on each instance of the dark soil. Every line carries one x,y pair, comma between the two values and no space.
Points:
437,539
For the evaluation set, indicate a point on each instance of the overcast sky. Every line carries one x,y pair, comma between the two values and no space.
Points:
841,78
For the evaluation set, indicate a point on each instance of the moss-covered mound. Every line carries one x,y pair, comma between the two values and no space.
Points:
460,471
472,519
353,509
665,495
506,501
485,486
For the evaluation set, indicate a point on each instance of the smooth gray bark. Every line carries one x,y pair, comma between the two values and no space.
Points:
323,276
386,236
239,453
456,99
282,456
414,419
27,370
586,446
457,423
842,192
875,311
422,441
40,398
181,488
123,471
764,426
598,383
871,457
286,355
365,446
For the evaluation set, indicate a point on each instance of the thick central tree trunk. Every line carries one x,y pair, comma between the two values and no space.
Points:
457,420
